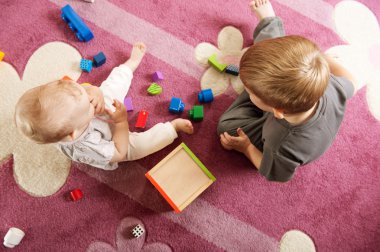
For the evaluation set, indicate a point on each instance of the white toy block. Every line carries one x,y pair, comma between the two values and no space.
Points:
13,237
138,231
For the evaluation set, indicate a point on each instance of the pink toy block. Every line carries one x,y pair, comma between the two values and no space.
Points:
157,76
128,103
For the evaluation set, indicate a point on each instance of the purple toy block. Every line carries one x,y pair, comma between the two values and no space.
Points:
128,103
157,76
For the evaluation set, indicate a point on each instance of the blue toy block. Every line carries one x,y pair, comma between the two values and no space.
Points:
99,59
176,105
232,69
205,96
157,76
86,65
76,24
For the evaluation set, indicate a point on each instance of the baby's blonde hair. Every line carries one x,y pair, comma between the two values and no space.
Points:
43,113
288,73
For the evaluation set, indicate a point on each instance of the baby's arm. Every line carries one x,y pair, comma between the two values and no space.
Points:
120,131
96,98
338,70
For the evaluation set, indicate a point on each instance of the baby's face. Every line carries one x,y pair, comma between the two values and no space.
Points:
83,112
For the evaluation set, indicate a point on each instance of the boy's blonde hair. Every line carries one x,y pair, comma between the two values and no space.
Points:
288,73
43,113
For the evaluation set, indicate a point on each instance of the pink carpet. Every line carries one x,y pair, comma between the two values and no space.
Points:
335,200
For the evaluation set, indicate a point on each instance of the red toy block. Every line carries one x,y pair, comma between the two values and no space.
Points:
141,119
76,194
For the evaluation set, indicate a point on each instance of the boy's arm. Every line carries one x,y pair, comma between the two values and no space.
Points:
254,155
242,144
120,131
338,70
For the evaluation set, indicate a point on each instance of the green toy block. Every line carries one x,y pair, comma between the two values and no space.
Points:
196,113
154,89
214,62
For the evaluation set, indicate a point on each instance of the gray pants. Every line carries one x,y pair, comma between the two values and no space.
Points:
243,113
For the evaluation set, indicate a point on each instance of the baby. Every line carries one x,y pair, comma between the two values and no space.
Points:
63,112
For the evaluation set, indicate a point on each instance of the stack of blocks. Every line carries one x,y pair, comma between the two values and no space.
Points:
230,69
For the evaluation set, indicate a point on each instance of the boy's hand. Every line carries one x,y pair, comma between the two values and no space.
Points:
239,143
120,114
96,98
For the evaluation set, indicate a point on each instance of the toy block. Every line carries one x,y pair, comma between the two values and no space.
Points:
154,89
76,24
180,177
205,96
138,231
2,54
232,69
176,105
86,65
141,119
76,194
99,59
128,103
13,237
196,113
86,84
66,78
157,76
214,62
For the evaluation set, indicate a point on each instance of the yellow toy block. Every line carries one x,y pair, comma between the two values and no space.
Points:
2,55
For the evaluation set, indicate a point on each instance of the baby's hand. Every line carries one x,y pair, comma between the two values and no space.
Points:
120,114
96,98
239,143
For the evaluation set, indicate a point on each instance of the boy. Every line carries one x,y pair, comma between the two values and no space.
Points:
63,112
293,101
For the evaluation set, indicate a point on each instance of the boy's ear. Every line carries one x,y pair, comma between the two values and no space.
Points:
278,113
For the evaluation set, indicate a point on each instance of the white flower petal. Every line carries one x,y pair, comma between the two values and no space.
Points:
237,84
354,59
355,23
51,62
203,51
296,241
230,40
40,170
373,96
218,82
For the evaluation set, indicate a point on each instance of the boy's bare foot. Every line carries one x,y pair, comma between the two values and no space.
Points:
138,52
262,8
183,125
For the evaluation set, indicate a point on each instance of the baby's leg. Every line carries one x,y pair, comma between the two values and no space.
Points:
138,52
156,138
270,26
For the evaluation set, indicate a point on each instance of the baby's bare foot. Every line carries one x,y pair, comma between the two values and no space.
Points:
138,52
262,8
183,125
